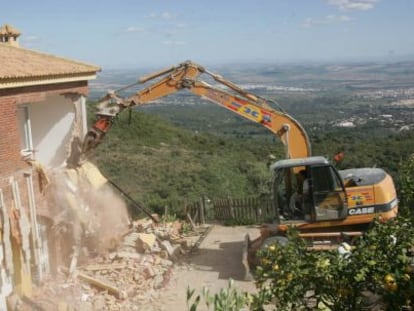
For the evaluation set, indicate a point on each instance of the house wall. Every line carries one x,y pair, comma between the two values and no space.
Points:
10,99
54,109
51,131
9,137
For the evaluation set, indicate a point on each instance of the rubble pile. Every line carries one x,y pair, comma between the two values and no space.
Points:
97,258
126,278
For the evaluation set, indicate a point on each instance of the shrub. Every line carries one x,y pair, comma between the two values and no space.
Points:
406,176
228,299
378,271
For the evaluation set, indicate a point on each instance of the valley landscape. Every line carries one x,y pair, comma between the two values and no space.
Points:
365,110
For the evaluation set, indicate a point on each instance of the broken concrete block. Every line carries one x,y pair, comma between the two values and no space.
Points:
173,251
111,266
158,281
128,255
145,241
149,272
102,284
166,245
131,239
142,225
92,173
166,263
163,254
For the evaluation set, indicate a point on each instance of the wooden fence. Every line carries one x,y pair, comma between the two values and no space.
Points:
196,212
253,210
237,211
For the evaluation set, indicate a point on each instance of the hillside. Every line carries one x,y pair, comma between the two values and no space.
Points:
159,163
182,147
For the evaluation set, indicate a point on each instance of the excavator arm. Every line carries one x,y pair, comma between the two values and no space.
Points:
185,76
174,79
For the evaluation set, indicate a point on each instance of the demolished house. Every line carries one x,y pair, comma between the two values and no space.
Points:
43,121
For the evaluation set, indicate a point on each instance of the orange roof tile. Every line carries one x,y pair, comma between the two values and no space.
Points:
19,63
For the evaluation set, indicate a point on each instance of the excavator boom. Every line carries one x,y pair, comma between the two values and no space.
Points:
186,76
281,124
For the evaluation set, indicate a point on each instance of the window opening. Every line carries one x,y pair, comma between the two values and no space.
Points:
26,142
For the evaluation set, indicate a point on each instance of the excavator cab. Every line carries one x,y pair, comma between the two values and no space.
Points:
308,194
308,190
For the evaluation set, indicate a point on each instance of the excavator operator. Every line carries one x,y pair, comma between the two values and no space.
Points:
298,198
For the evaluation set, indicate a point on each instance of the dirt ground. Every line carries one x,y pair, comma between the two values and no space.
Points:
217,259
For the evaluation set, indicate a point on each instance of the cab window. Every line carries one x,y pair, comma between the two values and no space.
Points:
328,193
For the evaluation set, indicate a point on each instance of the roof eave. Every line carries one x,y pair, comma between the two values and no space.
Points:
7,83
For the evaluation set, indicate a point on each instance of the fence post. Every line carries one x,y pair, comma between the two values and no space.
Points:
231,204
201,213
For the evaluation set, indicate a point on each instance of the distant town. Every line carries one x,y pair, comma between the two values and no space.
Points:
382,93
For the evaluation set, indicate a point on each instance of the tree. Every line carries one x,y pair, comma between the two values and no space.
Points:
377,271
406,175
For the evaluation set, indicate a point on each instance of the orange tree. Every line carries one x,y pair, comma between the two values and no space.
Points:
378,271
406,191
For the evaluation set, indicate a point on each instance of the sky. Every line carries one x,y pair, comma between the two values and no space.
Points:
134,33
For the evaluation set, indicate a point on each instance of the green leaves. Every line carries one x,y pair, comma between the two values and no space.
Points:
406,177
194,304
228,299
380,264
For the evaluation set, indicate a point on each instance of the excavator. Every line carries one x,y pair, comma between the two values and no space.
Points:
327,206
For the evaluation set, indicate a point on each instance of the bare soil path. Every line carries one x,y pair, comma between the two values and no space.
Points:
217,259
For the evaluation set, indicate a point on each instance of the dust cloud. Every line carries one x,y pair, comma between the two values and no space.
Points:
86,209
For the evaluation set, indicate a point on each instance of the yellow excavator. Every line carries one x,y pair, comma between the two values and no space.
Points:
327,206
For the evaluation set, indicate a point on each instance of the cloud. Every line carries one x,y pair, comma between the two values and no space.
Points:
30,41
167,15
181,25
134,29
31,38
163,15
353,5
174,43
168,25
326,20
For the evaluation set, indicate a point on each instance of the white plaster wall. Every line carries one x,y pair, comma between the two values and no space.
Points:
51,123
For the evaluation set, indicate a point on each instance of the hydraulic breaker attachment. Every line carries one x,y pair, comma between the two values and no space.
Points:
96,133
